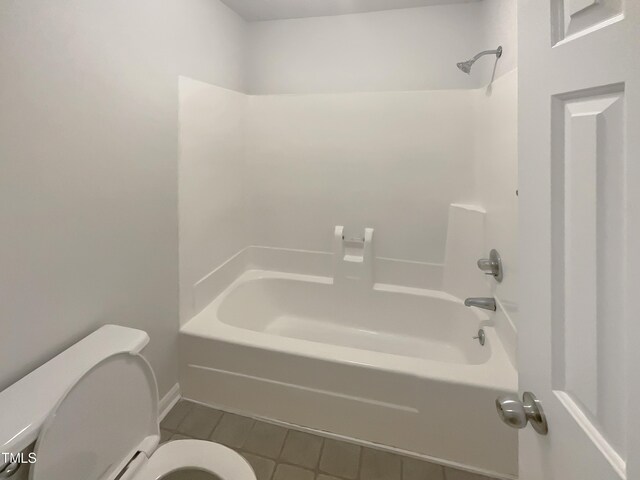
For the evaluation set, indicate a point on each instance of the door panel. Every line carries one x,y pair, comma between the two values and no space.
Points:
572,18
588,262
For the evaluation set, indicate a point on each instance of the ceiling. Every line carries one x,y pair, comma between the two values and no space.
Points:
258,10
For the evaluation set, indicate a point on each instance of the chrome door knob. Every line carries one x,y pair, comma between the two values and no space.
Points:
517,414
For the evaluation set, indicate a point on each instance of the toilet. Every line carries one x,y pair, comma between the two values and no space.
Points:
98,420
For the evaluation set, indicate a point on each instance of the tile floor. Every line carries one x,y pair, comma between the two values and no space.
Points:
278,453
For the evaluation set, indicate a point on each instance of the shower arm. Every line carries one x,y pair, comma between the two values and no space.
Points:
497,52
466,66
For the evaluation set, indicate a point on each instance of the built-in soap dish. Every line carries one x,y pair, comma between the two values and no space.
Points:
353,256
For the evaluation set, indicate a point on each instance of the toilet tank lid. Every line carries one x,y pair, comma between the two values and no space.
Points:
26,404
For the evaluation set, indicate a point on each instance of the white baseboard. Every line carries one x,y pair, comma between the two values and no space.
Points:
168,401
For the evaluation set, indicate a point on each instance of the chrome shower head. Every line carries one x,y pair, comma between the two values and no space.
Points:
466,66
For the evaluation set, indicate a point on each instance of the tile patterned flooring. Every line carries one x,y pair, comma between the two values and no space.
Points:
279,453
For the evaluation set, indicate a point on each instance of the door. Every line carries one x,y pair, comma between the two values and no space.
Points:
579,194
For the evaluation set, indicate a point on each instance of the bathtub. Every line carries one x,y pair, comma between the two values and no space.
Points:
393,366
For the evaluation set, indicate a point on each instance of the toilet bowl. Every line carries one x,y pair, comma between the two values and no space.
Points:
208,457
105,424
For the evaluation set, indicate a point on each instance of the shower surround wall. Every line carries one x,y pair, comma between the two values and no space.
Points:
211,182
265,178
392,160
278,172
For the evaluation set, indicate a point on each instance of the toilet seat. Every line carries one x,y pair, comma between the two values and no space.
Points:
197,454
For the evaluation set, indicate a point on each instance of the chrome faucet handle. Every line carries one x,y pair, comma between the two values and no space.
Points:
492,265
487,265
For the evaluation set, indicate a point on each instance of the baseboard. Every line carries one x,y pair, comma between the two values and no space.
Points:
168,401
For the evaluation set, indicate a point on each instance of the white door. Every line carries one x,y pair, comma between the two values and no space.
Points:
579,194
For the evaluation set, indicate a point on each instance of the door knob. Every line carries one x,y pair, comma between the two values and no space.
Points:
517,414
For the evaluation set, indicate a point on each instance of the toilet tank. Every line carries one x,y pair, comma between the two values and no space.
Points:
26,404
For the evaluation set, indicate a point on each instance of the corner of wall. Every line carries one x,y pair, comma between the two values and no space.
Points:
464,247
496,180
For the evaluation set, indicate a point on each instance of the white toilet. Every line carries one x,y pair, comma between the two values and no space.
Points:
93,413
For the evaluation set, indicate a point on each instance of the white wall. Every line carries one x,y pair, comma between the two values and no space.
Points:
396,50
88,190
209,41
407,49
500,26
211,182
393,161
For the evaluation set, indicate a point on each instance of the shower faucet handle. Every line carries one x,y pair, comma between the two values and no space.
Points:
487,265
492,265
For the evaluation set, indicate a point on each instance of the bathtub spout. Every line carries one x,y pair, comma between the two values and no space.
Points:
488,303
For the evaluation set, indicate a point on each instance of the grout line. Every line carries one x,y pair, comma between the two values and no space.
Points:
360,461
286,435
275,467
215,425
188,411
244,442
245,452
322,444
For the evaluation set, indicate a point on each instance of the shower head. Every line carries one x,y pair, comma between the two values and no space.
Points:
466,66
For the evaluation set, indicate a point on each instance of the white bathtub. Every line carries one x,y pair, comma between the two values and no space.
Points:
393,365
